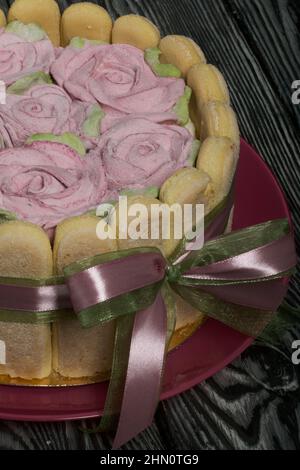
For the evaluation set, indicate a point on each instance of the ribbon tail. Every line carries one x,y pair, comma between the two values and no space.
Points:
144,372
124,327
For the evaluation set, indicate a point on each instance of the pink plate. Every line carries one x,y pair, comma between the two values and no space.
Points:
211,348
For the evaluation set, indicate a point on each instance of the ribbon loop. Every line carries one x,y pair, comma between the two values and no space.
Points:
263,263
107,281
122,285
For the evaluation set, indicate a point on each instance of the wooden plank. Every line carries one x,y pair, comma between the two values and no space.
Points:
271,29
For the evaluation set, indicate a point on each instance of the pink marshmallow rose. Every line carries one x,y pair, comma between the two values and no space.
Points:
20,57
43,109
45,182
138,153
117,77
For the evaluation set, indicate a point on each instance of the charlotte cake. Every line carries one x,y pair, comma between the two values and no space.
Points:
83,125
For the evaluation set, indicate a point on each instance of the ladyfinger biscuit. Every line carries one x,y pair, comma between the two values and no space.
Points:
208,84
45,13
85,20
154,226
137,219
188,319
2,19
136,31
219,120
180,51
218,158
79,352
185,186
76,239
25,252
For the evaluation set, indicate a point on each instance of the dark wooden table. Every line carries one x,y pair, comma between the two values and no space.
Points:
254,403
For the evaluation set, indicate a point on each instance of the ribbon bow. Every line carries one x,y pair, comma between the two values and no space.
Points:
230,279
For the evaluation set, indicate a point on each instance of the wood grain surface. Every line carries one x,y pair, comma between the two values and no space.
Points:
254,403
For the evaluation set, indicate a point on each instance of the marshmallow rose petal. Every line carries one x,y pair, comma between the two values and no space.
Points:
44,109
20,56
116,76
45,182
138,153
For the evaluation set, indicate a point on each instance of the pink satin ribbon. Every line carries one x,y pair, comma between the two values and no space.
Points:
109,280
264,261
144,373
34,299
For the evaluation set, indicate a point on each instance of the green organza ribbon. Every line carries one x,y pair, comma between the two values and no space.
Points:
217,250
37,318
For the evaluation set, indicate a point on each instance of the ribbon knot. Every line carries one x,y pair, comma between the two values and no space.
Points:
173,273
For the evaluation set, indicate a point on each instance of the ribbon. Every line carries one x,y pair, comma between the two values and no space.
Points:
227,266
230,279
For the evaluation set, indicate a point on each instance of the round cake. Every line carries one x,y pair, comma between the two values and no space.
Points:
95,110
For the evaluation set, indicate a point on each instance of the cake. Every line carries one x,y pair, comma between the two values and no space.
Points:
96,110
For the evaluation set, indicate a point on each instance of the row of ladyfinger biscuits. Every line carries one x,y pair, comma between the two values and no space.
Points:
210,106
35,351
86,20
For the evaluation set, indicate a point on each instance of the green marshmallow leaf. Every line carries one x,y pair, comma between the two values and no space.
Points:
6,216
104,204
190,126
79,43
91,126
152,191
71,140
24,84
194,152
29,32
162,70
181,108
